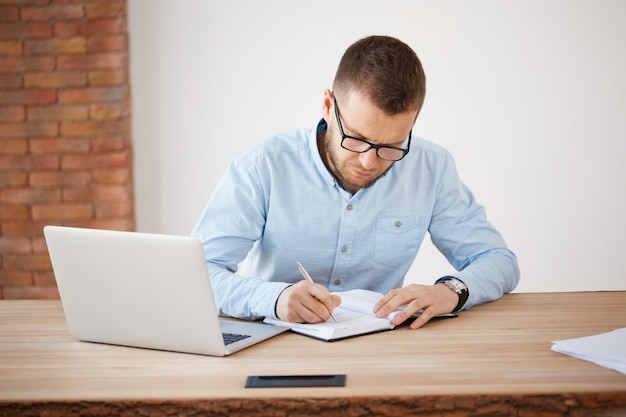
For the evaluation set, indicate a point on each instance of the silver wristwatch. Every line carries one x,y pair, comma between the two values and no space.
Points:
458,287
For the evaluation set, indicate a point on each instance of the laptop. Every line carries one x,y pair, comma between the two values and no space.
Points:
143,290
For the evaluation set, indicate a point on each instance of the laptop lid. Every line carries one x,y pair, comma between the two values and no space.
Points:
142,290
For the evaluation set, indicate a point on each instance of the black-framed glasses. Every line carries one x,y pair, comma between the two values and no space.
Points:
388,153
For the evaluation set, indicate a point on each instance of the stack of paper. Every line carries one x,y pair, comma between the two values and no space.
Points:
606,349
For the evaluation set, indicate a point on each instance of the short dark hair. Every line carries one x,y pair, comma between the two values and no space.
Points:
384,69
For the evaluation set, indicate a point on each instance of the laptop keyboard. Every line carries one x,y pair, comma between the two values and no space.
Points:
233,337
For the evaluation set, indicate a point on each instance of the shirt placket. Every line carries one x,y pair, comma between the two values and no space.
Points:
345,243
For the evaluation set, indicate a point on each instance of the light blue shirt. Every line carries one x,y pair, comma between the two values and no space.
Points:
279,204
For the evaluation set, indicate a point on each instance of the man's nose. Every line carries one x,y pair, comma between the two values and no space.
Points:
368,159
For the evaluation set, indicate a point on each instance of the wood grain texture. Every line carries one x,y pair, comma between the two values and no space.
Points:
492,360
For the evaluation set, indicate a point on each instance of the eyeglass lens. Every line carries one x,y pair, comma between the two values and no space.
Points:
357,145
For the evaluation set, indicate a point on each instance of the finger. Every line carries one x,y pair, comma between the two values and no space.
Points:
423,318
391,302
336,300
306,309
296,304
311,304
410,309
328,300
315,315
382,302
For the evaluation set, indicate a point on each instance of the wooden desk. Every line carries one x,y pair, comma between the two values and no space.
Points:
492,360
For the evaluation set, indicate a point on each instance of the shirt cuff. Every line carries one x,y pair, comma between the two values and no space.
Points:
266,297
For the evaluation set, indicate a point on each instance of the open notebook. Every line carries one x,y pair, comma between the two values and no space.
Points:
355,317
143,290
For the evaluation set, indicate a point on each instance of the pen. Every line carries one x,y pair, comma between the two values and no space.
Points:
308,278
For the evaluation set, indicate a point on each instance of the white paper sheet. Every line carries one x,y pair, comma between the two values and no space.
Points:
605,349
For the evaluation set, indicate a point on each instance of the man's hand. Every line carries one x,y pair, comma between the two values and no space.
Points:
306,302
433,299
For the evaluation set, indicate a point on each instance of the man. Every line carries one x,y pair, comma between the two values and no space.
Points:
352,200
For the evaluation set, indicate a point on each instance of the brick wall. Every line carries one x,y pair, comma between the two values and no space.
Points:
65,147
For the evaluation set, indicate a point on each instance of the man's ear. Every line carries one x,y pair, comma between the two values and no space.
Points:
327,105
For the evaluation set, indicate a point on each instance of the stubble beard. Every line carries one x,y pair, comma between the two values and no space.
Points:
336,169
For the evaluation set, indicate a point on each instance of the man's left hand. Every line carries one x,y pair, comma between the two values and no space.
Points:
432,299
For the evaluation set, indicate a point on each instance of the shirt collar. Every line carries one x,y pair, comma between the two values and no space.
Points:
315,152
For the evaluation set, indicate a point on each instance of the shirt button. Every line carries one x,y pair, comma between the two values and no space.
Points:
398,223
337,282
349,207
344,249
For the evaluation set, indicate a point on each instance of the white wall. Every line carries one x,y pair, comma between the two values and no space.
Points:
529,95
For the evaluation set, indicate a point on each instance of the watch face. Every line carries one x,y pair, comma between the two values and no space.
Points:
457,285
459,288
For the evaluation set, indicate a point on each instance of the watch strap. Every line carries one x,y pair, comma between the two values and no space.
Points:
458,287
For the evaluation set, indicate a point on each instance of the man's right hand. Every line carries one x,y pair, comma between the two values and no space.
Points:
306,302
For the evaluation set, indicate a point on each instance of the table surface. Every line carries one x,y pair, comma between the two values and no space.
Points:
499,348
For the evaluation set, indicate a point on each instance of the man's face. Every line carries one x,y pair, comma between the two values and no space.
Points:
360,118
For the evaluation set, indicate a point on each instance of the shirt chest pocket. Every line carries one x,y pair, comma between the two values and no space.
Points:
398,239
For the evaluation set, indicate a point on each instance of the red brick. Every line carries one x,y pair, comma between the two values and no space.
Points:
117,176
27,97
54,79
122,223
117,142
26,63
27,262
30,292
58,112
10,47
24,229
107,43
53,12
13,179
30,2
114,209
36,128
25,30
96,27
62,212
9,13
107,9
67,28
15,146
15,278
112,77
12,113
15,245
13,130
104,26
14,162
56,46
14,213
40,162
26,163
10,80
93,94
97,161
44,279
44,179
106,194
92,61
29,195
107,127
39,244
59,145
104,111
